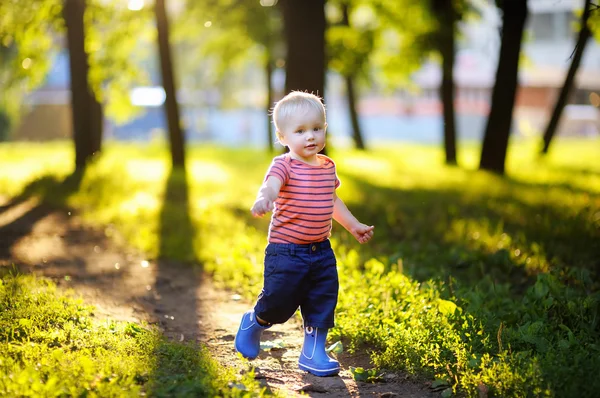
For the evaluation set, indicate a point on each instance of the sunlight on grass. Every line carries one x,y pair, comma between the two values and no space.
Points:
142,202
204,171
146,170
22,162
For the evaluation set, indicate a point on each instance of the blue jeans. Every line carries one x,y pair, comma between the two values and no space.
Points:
302,276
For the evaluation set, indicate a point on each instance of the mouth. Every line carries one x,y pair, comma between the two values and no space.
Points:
311,146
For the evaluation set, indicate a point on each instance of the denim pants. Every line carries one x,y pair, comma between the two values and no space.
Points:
302,276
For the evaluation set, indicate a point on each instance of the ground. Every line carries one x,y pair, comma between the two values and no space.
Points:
178,298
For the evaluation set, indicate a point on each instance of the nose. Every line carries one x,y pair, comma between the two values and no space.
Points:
310,135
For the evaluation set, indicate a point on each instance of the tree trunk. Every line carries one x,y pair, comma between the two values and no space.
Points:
446,16
356,132
176,137
497,132
96,125
304,30
584,35
81,93
269,104
305,38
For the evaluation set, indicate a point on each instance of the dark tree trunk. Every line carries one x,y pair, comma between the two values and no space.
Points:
269,104
497,132
305,38
356,130
584,35
176,137
96,124
304,29
446,16
84,108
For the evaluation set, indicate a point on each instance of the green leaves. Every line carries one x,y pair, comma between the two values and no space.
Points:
119,43
366,375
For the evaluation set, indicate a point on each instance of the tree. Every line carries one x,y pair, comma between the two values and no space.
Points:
86,111
584,36
422,30
176,137
26,49
446,15
304,31
238,31
348,49
105,39
497,132
305,46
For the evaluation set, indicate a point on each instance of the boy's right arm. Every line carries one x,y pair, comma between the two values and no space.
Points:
266,197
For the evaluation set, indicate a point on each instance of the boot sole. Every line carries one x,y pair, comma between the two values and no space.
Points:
319,372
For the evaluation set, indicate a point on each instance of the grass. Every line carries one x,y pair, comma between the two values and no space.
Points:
52,345
481,282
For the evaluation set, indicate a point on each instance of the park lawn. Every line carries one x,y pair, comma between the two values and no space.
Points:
481,282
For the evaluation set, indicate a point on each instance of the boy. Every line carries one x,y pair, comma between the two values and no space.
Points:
300,266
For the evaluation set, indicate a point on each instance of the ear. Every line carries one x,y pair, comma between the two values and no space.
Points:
280,138
325,127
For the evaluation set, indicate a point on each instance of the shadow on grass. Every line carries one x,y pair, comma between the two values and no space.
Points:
177,286
176,236
52,193
419,226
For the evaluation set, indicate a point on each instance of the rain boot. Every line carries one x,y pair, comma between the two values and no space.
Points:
313,357
247,340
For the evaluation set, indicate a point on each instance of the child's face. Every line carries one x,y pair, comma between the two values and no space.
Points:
304,135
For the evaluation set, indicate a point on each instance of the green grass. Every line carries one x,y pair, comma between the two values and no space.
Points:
479,281
52,345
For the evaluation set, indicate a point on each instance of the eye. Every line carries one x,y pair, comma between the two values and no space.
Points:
317,129
299,131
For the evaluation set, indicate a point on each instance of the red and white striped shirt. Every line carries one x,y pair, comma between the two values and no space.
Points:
304,207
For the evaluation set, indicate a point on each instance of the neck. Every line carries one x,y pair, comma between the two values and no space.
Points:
313,161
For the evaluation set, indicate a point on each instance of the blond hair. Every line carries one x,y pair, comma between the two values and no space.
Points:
294,102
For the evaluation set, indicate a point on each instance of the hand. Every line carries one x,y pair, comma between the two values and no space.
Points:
261,207
363,233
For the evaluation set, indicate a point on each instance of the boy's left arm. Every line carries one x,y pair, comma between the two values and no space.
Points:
362,232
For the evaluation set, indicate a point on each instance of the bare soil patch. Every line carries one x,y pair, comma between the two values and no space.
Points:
123,285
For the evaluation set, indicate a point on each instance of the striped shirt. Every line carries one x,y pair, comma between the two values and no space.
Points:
304,207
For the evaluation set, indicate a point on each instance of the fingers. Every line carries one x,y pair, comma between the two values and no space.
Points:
365,235
261,208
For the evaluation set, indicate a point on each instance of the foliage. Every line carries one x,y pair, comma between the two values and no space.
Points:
119,43
215,39
477,281
52,345
350,43
26,52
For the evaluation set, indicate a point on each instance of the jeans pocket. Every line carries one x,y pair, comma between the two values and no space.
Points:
271,261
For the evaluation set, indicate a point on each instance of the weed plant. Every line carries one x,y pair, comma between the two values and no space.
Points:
484,284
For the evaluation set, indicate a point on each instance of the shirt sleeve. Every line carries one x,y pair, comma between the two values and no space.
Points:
337,180
279,169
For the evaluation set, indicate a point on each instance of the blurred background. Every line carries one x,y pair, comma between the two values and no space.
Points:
229,62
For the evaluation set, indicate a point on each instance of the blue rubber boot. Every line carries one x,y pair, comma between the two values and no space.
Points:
313,357
247,340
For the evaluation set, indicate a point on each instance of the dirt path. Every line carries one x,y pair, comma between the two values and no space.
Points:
180,299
